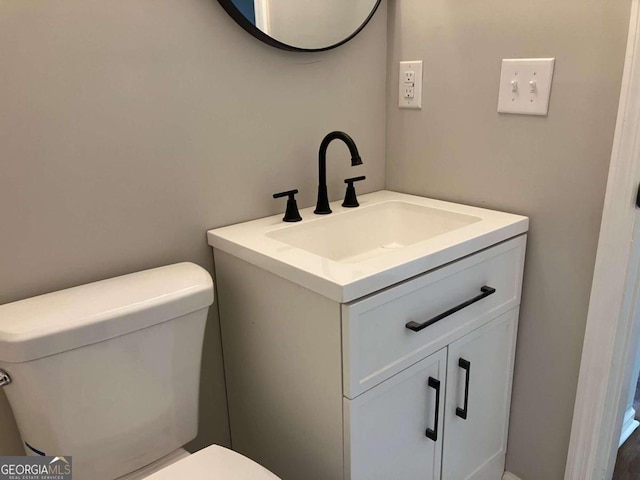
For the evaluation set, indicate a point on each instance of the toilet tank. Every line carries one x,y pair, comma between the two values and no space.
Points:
108,372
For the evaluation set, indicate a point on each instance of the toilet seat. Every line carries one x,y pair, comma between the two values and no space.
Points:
214,462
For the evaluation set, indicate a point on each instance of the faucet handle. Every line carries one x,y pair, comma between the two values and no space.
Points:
350,200
291,214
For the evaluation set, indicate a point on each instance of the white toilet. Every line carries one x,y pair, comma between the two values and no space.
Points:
108,373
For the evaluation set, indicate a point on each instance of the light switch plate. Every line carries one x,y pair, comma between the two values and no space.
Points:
410,88
525,86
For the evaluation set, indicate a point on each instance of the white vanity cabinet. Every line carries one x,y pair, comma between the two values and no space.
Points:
323,390
393,382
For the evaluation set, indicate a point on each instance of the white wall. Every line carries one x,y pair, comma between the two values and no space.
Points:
127,129
552,169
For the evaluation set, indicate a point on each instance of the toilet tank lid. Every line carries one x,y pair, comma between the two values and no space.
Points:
72,318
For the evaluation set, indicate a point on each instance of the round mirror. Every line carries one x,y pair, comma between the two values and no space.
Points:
307,26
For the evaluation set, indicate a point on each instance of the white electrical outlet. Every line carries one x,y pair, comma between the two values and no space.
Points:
408,92
410,88
409,76
525,86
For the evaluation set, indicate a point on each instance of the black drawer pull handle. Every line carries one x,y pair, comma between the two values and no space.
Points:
466,366
433,434
416,327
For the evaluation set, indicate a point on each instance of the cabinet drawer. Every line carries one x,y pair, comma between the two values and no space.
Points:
376,341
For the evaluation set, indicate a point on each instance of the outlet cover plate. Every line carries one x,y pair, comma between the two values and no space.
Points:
405,77
523,97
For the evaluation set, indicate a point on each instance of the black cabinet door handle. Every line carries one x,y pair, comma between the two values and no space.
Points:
416,327
433,434
466,366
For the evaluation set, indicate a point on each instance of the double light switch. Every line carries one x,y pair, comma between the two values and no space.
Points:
525,86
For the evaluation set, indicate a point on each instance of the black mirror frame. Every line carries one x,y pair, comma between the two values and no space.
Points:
233,11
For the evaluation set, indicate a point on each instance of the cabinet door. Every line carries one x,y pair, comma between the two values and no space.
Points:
395,430
480,368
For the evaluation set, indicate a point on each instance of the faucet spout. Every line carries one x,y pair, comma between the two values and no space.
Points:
322,206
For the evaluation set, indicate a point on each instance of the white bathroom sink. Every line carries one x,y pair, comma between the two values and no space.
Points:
372,230
356,251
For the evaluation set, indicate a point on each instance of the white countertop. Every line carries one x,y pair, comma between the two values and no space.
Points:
345,282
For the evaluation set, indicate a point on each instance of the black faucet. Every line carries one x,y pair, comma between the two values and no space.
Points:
322,207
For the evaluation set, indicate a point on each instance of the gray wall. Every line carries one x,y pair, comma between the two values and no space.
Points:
127,129
552,169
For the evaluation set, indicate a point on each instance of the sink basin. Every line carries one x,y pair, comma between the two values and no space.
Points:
373,230
354,252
